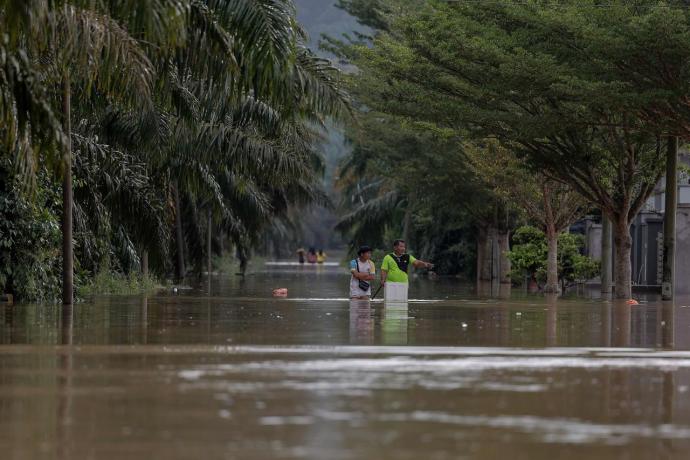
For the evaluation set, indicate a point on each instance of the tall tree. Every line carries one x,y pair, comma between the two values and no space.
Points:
552,205
518,72
90,49
399,179
216,99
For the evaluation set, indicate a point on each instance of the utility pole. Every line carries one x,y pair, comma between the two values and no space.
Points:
670,209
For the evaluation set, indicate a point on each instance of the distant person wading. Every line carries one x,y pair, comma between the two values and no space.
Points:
394,271
363,272
311,256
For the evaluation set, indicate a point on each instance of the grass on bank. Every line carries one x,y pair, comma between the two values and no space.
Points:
106,283
228,264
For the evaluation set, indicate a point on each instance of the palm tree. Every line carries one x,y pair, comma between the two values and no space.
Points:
240,130
215,102
85,39
83,45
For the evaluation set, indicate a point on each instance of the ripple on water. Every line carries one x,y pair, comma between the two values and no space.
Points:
546,429
549,429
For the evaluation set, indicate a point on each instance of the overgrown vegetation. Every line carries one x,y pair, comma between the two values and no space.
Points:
583,97
110,283
529,257
141,134
29,238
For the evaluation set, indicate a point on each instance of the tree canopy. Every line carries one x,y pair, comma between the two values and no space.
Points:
181,116
584,93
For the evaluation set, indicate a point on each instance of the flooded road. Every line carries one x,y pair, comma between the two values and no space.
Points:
239,375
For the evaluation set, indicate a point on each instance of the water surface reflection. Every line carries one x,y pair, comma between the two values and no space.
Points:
537,322
238,374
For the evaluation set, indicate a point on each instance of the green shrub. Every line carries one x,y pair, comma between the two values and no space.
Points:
30,239
529,254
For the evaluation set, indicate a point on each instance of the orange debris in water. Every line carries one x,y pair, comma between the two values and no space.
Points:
280,292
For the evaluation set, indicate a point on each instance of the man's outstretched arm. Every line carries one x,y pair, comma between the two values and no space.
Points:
421,264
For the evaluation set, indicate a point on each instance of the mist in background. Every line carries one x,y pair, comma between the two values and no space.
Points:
322,17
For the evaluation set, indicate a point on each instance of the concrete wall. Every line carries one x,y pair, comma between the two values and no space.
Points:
593,240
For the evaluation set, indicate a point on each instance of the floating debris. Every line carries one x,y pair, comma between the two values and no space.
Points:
280,292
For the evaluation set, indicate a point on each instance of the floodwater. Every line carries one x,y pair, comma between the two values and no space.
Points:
238,374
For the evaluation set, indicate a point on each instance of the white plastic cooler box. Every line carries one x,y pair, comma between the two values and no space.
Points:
396,292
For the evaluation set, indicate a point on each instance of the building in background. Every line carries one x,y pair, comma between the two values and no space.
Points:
648,235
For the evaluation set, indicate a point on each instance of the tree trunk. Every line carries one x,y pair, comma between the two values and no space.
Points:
209,248
483,266
605,255
503,239
480,247
179,236
145,264
67,197
244,258
406,223
670,209
209,245
277,253
552,286
623,268
551,242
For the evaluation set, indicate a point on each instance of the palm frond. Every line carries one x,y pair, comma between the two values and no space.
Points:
265,34
116,186
28,125
368,221
317,81
95,49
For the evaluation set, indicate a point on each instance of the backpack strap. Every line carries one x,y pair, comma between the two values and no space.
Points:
403,262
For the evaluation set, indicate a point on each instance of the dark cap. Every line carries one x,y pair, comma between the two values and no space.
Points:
363,249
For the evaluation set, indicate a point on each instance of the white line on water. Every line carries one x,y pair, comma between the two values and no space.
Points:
550,429
438,367
436,361
681,358
556,430
453,351
297,264
345,299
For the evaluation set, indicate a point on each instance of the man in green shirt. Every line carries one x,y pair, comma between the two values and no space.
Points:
394,271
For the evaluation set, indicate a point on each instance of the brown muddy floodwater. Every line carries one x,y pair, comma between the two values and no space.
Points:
240,375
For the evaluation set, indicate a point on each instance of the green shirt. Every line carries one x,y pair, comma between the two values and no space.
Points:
395,275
